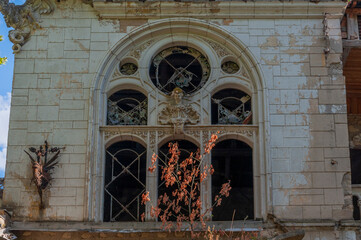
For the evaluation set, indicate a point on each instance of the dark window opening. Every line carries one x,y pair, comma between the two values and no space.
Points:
127,107
356,208
231,106
355,156
186,148
125,173
232,160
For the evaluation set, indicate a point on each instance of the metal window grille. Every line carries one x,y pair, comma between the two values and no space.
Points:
231,106
127,107
125,174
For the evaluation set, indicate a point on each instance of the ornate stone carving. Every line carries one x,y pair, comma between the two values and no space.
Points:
221,51
193,133
177,113
24,19
152,140
136,52
5,221
140,133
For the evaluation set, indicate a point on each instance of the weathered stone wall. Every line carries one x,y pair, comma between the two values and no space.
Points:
306,146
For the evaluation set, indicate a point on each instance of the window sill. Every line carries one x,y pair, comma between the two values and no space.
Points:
127,227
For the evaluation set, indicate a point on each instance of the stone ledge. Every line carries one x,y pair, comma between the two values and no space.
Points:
218,9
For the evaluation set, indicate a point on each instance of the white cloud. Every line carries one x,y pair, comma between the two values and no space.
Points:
4,127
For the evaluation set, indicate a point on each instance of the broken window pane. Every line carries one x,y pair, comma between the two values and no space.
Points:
232,160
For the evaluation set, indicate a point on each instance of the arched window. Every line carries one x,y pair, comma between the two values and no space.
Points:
231,106
125,176
186,148
232,160
127,107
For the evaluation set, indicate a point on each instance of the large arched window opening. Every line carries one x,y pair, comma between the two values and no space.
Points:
127,107
232,160
231,106
125,177
186,148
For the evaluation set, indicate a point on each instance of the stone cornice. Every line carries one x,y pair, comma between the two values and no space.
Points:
218,9
24,18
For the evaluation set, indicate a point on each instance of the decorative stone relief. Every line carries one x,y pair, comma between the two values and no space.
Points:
152,140
221,51
128,69
246,133
177,113
24,19
138,50
5,221
193,133
140,133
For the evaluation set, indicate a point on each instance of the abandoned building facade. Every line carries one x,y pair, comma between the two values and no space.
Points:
114,81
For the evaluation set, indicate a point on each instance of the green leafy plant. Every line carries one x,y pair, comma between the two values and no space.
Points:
2,59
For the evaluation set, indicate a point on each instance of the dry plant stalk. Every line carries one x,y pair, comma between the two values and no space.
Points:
42,167
183,177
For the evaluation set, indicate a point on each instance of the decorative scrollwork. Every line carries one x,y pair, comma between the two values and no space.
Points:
24,19
221,51
136,52
230,67
128,68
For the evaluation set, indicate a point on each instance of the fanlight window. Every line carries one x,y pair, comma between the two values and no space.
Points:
127,107
186,148
231,106
182,67
232,160
125,176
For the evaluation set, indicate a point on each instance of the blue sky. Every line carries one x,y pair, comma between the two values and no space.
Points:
6,77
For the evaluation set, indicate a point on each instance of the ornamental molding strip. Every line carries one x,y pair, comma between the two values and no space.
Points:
24,19
218,9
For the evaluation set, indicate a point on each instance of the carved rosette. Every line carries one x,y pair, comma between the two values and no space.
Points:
24,19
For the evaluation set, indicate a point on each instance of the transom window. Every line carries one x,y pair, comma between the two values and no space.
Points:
231,106
127,107
182,67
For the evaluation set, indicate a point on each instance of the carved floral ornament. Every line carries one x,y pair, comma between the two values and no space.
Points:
24,19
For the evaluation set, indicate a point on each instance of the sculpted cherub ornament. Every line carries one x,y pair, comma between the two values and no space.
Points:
177,113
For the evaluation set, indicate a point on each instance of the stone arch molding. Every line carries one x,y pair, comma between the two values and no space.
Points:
140,45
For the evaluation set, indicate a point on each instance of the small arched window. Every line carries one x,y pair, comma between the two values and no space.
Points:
127,107
232,160
231,106
125,176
